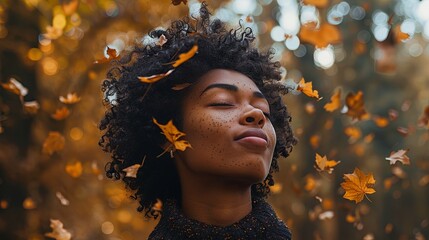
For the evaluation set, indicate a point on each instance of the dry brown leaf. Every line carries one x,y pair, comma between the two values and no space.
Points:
399,156
323,164
70,98
156,77
53,143
74,169
15,87
31,107
357,185
58,232
355,106
307,89
61,113
131,171
111,55
335,102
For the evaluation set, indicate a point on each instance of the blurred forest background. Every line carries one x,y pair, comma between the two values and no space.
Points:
53,58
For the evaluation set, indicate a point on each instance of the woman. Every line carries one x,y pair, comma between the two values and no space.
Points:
199,110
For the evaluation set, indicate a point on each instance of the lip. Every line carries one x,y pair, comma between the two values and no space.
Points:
253,138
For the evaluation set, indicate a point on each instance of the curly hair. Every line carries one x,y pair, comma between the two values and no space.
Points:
129,134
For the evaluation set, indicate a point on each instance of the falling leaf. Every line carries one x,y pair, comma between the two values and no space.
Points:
131,171
74,169
424,119
70,6
58,232
172,134
307,89
326,215
156,77
15,87
111,55
28,204
399,35
353,133
61,113
31,107
316,3
335,102
183,57
320,37
355,106
53,143
399,156
323,164
357,185
62,199
177,2
162,40
380,121
70,98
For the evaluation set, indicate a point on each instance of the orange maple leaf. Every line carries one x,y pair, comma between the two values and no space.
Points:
316,3
307,89
399,156
355,106
156,77
357,185
323,164
173,134
70,98
61,113
53,143
183,57
320,37
111,54
335,102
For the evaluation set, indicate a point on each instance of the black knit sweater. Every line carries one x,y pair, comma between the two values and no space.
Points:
261,223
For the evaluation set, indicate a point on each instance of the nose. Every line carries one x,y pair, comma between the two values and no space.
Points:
254,117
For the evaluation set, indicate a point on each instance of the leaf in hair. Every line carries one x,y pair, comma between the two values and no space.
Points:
183,57
173,134
156,77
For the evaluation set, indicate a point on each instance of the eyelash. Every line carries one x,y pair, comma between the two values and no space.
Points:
267,115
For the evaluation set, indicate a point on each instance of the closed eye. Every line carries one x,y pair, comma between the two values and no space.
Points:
220,104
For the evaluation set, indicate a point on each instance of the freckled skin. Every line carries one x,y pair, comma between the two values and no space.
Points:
212,129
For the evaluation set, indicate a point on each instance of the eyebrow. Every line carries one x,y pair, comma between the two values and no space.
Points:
231,88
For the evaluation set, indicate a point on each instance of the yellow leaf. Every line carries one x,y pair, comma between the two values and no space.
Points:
155,78
323,164
53,143
183,57
61,113
307,89
58,232
335,102
70,98
74,169
172,134
357,185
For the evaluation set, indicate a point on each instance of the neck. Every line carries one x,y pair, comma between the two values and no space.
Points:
214,202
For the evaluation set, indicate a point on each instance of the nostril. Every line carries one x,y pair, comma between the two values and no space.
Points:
250,119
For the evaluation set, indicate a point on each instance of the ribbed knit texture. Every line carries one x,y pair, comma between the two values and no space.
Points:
261,223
